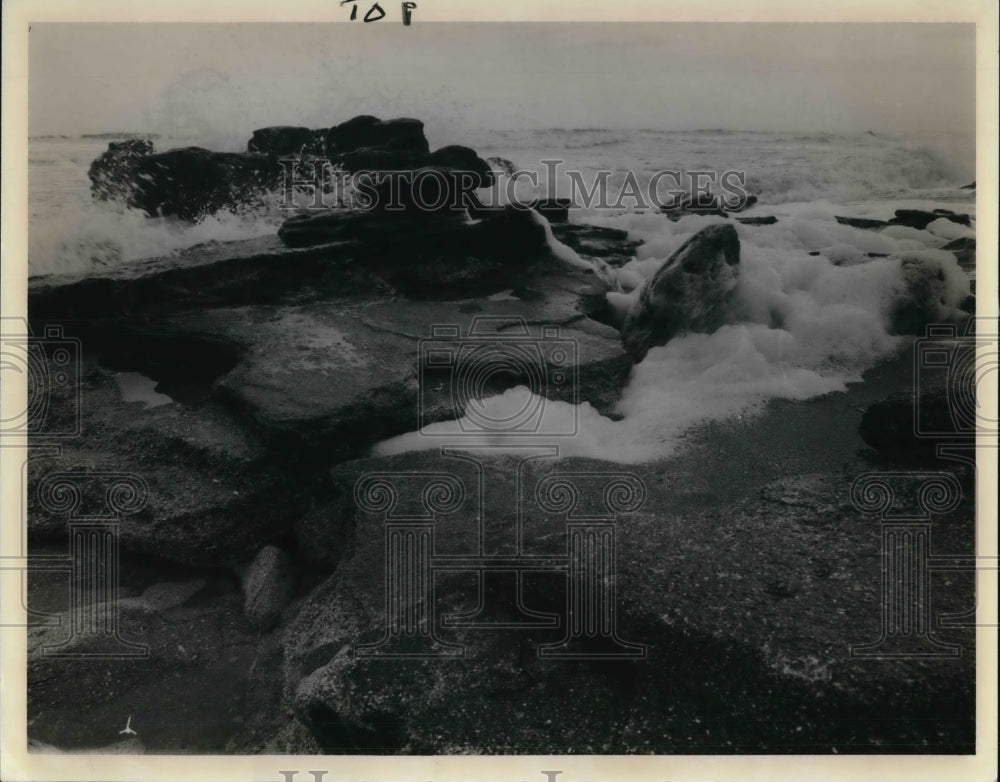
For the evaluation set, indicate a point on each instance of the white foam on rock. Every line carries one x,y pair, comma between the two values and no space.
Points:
806,325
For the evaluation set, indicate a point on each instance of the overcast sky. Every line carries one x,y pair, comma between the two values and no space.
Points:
228,79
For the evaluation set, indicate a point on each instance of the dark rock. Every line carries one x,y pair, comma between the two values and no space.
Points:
371,133
464,159
728,630
367,143
915,218
267,587
421,251
970,186
906,425
425,191
111,173
377,160
862,222
188,183
192,183
964,250
927,298
343,253
690,292
287,141
768,220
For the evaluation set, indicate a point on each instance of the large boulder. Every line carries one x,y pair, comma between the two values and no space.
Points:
192,183
702,640
373,133
415,250
690,292
368,143
111,173
909,426
459,158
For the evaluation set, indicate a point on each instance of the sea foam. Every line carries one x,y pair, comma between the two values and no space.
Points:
805,325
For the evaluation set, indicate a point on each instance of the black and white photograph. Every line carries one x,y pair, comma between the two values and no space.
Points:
379,386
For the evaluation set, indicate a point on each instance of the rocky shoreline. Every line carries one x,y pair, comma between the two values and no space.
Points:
744,576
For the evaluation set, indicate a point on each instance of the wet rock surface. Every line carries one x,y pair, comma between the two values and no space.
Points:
176,673
715,627
688,293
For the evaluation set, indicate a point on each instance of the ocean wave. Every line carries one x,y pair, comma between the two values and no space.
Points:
69,232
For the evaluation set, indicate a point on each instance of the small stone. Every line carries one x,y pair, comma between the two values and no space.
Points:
267,587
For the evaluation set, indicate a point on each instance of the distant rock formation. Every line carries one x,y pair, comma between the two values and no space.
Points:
192,183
